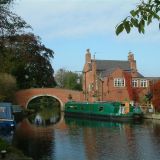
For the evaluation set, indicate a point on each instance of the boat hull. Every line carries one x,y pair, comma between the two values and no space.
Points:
4,123
101,111
116,118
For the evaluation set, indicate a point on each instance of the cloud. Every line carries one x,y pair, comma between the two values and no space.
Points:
71,26
72,18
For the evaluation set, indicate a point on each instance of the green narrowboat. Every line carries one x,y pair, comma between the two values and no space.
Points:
114,111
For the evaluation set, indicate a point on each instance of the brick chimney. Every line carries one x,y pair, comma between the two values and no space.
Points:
132,62
88,56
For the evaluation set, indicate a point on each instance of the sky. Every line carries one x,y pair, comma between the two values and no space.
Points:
69,27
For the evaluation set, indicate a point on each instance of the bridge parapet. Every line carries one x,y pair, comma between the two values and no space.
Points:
23,97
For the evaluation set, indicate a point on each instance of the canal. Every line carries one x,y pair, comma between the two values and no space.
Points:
47,135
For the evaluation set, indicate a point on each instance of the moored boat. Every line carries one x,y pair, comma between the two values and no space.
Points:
6,116
114,111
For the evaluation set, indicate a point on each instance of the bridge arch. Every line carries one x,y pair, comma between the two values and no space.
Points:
23,97
46,95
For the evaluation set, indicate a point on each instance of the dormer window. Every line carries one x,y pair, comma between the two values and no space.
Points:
119,82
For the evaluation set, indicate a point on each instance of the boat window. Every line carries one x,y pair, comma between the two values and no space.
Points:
101,108
72,107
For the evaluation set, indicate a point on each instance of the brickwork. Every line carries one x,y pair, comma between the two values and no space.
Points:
115,93
99,80
22,97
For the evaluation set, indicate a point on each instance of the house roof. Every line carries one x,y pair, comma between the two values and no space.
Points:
139,75
153,78
105,67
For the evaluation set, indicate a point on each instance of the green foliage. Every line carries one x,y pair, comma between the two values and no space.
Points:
143,15
4,2
10,23
3,145
143,100
25,57
7,87
149,96
120,28
22,54
68,80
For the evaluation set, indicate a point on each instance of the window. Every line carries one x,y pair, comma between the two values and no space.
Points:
119,82
143,83
101,108
135,83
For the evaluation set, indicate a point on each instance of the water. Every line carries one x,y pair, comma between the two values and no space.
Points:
77,139
72,139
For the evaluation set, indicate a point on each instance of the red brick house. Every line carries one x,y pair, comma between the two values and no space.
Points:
113,80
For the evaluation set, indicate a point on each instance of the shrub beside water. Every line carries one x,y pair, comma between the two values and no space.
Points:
3,145
12,153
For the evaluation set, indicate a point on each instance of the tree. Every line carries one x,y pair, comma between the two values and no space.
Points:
155,89
28,60
7,87
72,81
141,16
22,54
69,80
60,77
10,23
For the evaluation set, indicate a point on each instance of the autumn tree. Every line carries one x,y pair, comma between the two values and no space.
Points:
155,89
140,17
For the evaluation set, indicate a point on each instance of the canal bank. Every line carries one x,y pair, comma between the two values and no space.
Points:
15,155
152,116
8,152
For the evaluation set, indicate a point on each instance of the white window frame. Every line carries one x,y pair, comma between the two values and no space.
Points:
143,83
119,82
135,83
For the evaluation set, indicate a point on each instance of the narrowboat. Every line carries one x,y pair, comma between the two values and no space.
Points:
6,116
114,111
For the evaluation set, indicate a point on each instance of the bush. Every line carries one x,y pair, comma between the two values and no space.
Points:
7,87
3,145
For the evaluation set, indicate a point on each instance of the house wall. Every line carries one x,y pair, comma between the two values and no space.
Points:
92,84
113,93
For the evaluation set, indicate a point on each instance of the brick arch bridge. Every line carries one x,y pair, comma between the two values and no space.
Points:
23,97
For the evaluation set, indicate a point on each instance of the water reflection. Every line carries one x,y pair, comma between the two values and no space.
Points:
45,117
6,134
34,141
88,140
47,111
113,141
104,140
34,135
90,123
